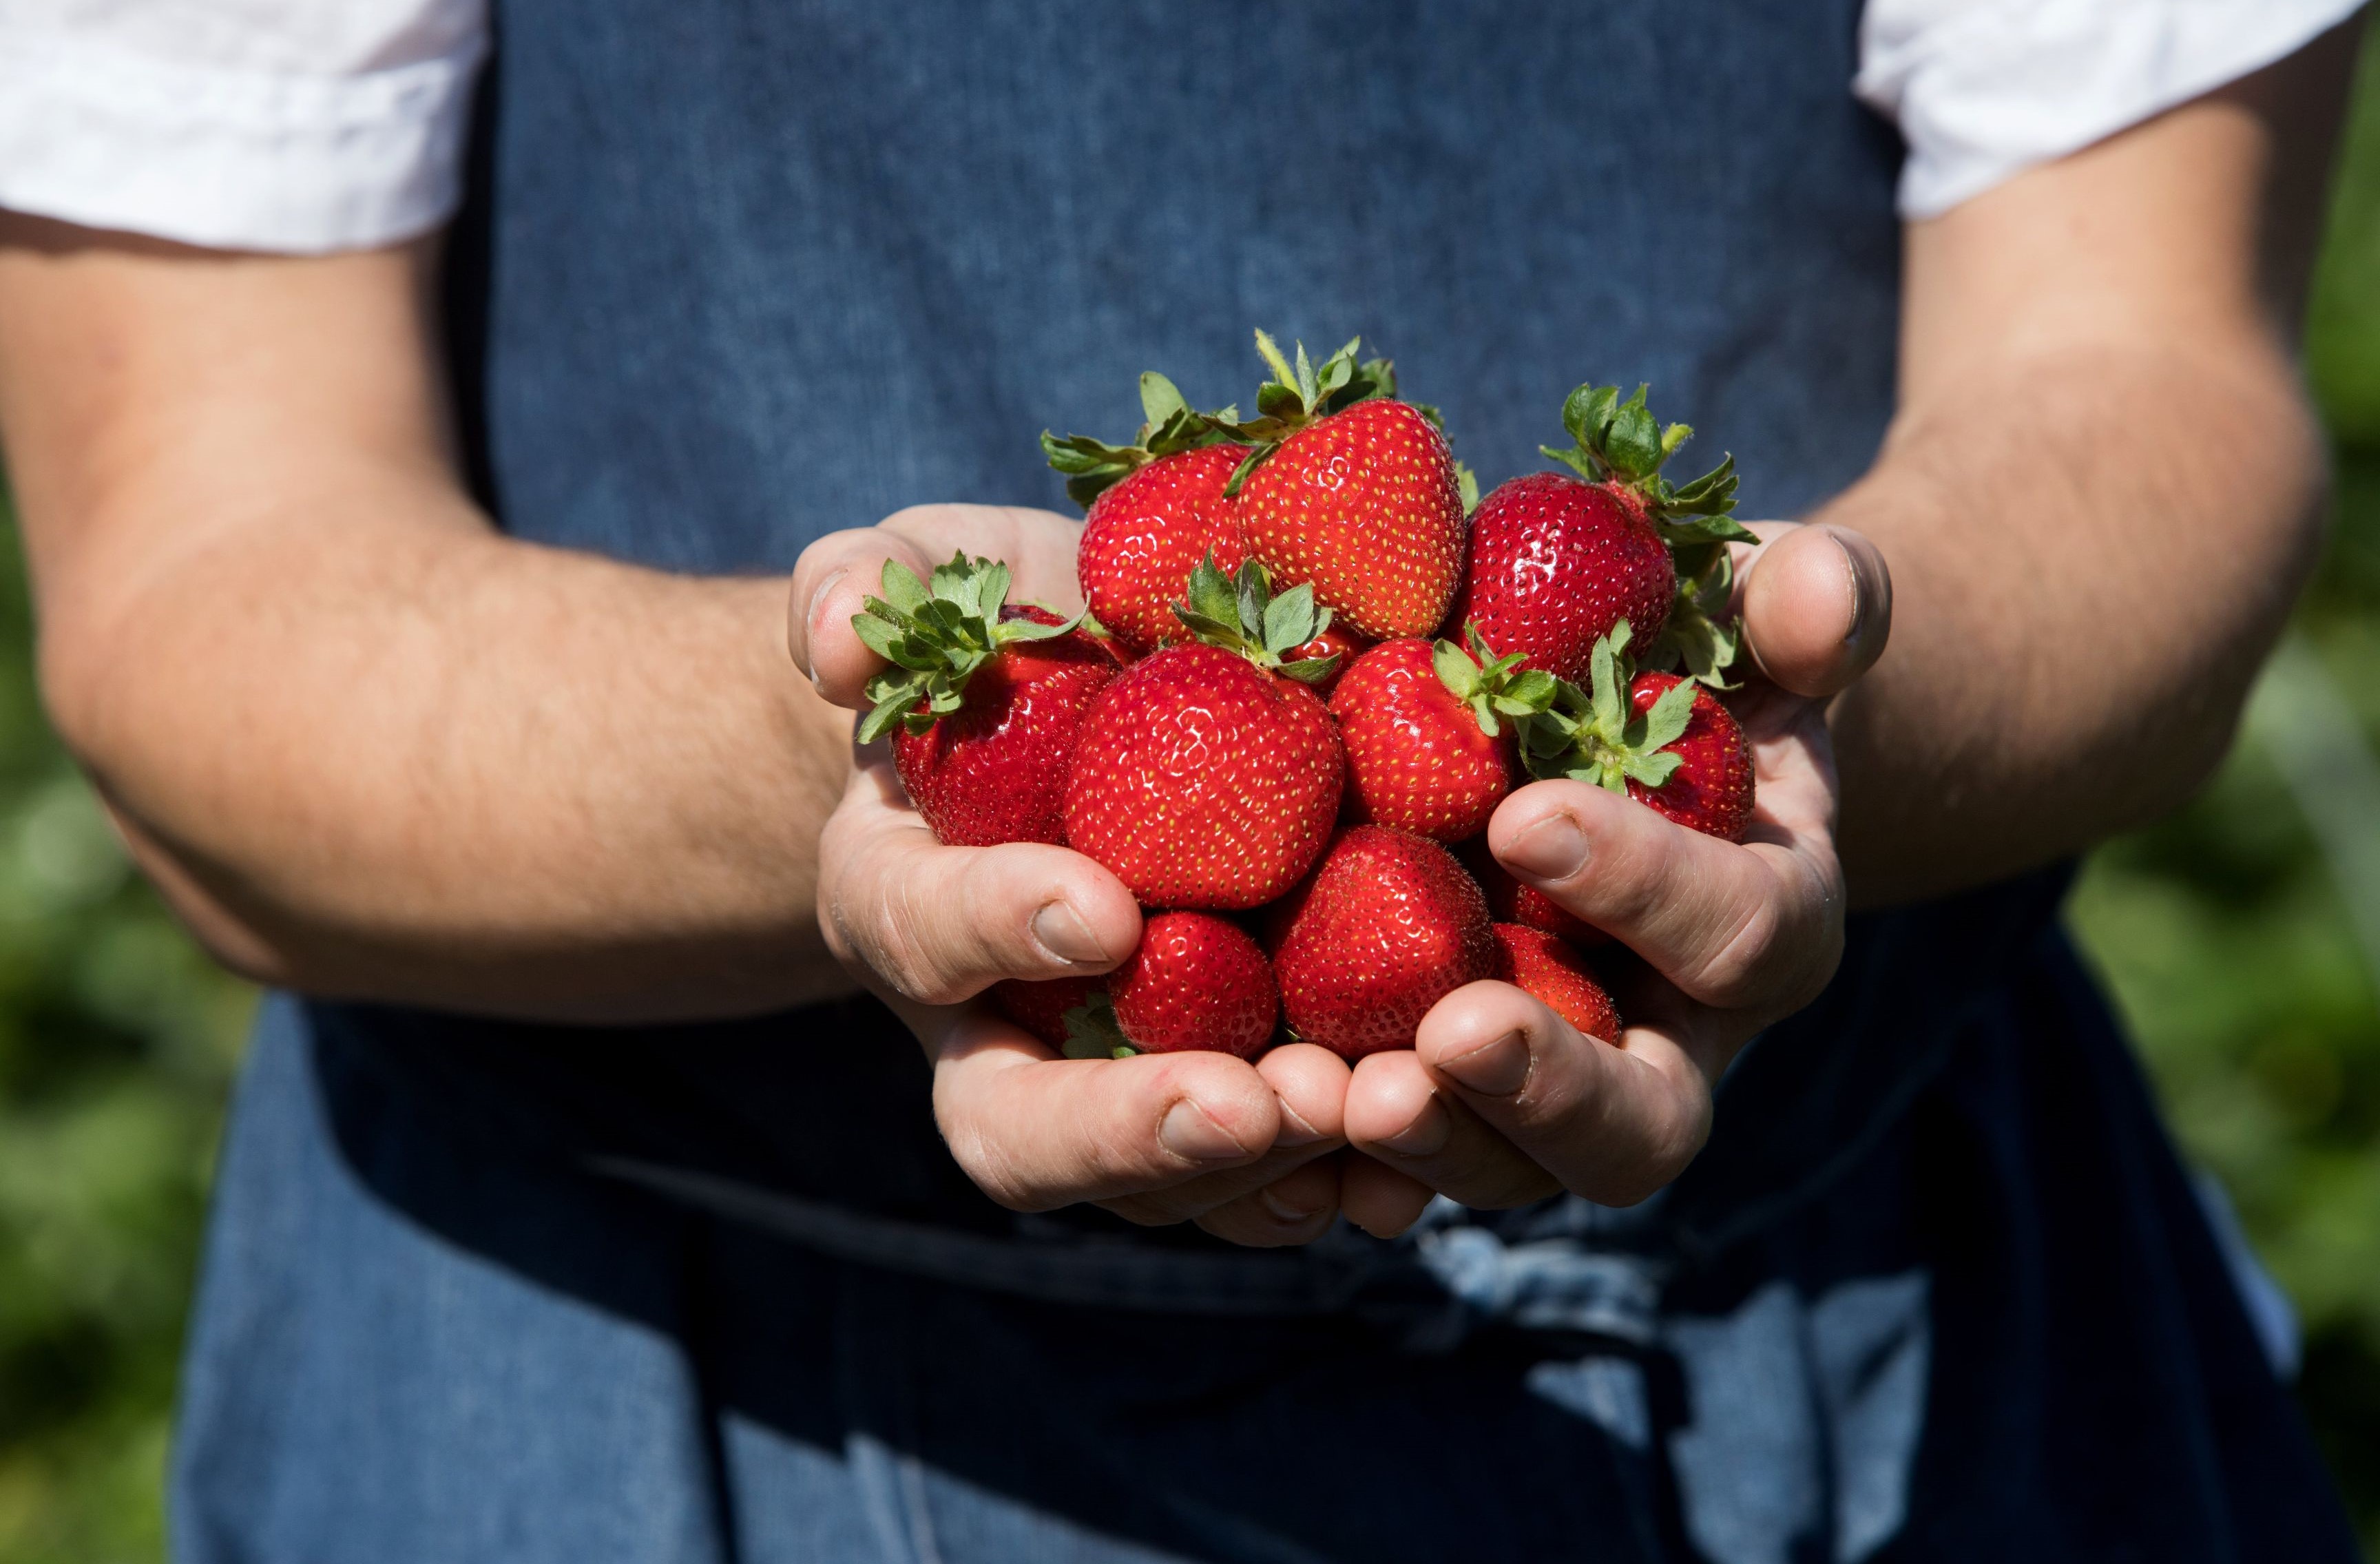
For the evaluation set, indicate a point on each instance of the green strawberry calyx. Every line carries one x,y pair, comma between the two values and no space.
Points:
1492,686
1170,426
936,633
1093,1032
1592,735
1303,393
1616,442
1240,614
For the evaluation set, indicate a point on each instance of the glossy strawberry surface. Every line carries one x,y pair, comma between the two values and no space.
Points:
1145,535
1041,1007
1195,982
1203,781
995,771
1390,926
1509,901
1555,562
1712,791
1364,505
1417,759
1549,970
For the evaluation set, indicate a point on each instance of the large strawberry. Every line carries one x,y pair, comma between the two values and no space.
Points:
1428,734
1203,777
1390,926
1352,491
1550,971
1664,740
1509,901
1157,508
983,700
1556,561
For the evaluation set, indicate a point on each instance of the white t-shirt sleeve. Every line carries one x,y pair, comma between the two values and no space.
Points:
1985,88
294,125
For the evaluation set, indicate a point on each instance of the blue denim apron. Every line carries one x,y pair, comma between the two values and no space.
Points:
734,276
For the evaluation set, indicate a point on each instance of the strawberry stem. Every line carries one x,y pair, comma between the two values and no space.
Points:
1169,427
1592,736
1240,614
936,634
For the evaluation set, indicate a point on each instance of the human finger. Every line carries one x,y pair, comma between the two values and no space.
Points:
937,925
1310,1087
1756,924
1817,602
1399,1115
1297,1208
1378,1198
1610,1122
1035,1131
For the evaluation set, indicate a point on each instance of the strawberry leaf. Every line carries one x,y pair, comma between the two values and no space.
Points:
1668,718
1290,619
1310,670
903,590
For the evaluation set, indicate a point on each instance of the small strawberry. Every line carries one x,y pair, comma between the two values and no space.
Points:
1556,561
1352,491
1509,901
1041,1007
1156,509
1426,750
985,700
1667,743
1202,777
1550,971
1390,926
1196,981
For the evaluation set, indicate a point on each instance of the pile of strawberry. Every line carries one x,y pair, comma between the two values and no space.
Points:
1298,860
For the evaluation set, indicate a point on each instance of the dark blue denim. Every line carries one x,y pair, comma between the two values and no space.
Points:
736,273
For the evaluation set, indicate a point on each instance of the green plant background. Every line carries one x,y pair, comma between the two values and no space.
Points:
2224,932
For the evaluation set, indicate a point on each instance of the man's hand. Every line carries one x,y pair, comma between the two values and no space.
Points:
1243,1150
1501,1101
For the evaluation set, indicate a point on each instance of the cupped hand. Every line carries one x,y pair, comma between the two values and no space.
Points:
1243,1150
1501,1101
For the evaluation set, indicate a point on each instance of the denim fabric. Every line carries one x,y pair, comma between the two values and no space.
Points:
735,275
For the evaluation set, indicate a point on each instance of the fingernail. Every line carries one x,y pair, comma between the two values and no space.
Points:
1495,1068
818,600
1060,930
1190,1133
1282,1210
1427,1135
1859,594
1554,848
1294,1129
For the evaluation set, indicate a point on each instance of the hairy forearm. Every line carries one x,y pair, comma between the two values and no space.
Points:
374,753
2092,548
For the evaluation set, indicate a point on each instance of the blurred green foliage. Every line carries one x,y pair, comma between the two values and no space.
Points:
2224,934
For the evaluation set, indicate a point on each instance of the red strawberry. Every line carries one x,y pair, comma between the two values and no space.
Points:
1427,751
1337,646
1145,535
1509,901
987,699
1353,493
1711,790
1041,1007
1390,926
1197,981
1548,970
1556,561
1202,779
1668,744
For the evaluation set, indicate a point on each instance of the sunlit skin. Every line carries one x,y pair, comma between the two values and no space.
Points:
368,745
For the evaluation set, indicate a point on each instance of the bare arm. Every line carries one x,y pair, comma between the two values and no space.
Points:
366,745
2101,495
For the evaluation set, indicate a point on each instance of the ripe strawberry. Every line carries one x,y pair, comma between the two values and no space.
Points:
1667,743
1352,491
1156,509
1425,749
1338,646
1202,777
1197,981
1548,970
1556,561
1390,926
1509,901
986,699
1041,1007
